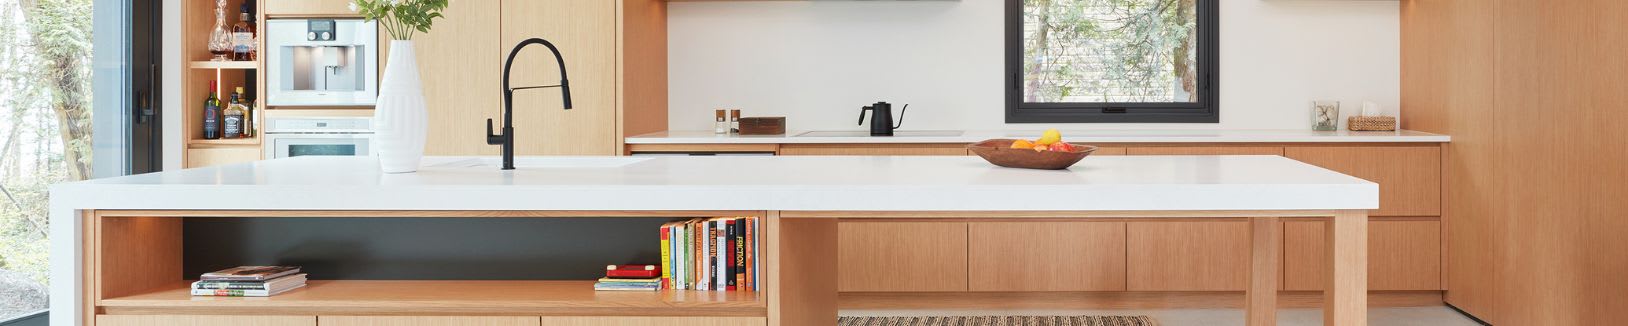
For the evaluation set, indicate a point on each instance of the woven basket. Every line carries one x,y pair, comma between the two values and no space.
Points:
1360,123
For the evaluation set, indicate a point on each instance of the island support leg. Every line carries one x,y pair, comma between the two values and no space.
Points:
1345,299
802,271
1265,258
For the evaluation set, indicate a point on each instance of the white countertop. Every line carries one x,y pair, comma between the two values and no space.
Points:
863,183
1075,136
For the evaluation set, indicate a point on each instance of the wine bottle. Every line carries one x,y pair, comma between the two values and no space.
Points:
211,113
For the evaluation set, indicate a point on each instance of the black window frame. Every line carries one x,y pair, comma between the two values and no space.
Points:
1206,110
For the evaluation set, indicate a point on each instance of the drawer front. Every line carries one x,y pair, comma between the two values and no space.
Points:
1187,255
202,157
1206,150
655,321
875,149
185,320
1409,177
1046,256
325,8
1402,255
902,256
428,321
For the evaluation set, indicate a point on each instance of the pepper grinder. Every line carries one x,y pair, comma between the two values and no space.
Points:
720,124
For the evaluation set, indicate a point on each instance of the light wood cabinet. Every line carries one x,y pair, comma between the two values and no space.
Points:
212,156
1409,177
460,62
1402,255
901,256
875,149
1206,150
655,321
1046,256
585,31
181,320
428,321
309,8
1187,255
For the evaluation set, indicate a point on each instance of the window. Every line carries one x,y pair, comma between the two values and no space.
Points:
1111,61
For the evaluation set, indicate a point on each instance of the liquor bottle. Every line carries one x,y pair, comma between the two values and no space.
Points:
243,47
211,114
232,118
220,42
248,113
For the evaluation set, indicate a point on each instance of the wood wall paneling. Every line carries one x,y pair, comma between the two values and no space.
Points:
1188,255
169,320
653,321
585,32
1403,255
642,63
428,321
1046,256
870,256
314,8
460,62
1409,178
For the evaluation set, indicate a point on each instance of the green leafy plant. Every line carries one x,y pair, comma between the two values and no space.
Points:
402,18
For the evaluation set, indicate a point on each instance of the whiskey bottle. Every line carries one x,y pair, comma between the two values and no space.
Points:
243,47
232,118
211,113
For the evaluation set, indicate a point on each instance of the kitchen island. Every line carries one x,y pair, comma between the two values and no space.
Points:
117,252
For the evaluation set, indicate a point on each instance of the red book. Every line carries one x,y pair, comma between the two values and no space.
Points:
632,271
730,244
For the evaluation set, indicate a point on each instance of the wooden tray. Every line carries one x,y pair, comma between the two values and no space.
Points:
1001,153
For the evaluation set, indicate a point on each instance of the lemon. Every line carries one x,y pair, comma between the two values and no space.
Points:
1052,136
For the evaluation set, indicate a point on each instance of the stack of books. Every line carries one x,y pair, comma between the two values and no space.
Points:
712,254
249,281
629,278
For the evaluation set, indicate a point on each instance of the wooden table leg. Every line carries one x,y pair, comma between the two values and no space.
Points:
1265,257
1345,299
802,271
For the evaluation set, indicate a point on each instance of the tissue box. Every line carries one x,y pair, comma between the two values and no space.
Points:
1361,123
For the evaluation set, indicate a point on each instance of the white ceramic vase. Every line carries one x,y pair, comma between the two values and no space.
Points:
400,118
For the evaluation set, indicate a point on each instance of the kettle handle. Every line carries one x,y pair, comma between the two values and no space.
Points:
862,114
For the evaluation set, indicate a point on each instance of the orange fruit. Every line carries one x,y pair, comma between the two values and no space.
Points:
1022,144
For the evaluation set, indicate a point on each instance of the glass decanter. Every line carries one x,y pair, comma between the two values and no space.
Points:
220,42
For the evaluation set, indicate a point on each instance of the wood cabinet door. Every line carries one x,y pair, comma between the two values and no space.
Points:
310,8
202,157
428,321
585,32
1187,255
460,63
1402,255
1205,150
655,321
1046,256
875,149
184,320
901,256
1409,177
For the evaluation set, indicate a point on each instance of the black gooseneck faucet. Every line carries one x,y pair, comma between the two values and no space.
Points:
507,138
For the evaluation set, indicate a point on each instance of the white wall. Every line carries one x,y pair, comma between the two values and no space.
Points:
817,62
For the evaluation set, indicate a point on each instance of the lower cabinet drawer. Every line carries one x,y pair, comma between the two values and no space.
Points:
901,256
1187,255
1402,255
655,321
184,320
1046,256
428,321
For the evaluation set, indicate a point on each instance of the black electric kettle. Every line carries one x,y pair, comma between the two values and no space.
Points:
882,118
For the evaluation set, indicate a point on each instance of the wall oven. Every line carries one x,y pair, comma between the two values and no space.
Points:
309,136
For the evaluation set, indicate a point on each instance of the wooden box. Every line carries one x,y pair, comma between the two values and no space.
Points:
763,126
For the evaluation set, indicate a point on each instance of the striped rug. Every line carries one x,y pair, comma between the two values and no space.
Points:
998,321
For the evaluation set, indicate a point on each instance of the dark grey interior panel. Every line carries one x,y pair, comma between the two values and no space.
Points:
424,248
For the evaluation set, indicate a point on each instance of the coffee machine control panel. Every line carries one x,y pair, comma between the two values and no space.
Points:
320,30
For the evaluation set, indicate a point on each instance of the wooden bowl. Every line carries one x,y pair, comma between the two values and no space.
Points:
1000,152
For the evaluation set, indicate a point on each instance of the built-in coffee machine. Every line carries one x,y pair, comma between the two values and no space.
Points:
321,62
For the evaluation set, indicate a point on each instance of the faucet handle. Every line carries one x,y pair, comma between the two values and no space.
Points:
492,138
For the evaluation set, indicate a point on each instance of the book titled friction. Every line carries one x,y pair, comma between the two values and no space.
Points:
250,273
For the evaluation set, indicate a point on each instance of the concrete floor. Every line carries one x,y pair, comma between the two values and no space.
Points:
1410,316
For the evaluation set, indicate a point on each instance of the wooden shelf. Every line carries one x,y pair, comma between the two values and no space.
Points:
225,142
224,65
527,298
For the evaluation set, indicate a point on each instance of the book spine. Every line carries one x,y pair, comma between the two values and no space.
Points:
751,253
731,241
666,256
720,262
740,255
231,293
712,254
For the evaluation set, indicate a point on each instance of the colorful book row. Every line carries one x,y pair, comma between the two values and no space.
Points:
711,254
